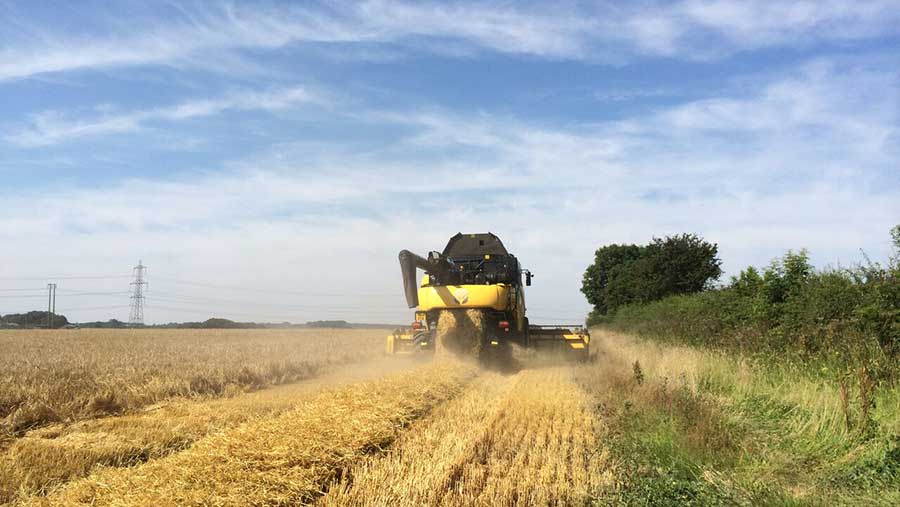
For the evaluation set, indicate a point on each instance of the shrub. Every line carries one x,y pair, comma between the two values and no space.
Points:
847,316
627,274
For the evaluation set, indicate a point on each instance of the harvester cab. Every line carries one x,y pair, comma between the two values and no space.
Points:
475,274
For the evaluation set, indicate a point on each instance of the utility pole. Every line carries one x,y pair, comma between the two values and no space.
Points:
51,304
138,284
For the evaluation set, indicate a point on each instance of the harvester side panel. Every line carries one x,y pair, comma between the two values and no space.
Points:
496,297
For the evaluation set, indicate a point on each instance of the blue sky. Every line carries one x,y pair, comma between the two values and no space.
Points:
268,160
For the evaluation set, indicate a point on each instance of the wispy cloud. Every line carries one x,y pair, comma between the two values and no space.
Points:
606,32
797,159
819,124
822,105
768,23
52,127
217,30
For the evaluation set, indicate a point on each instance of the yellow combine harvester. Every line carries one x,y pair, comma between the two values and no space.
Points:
475,272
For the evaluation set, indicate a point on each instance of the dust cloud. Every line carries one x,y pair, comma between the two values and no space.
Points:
459,334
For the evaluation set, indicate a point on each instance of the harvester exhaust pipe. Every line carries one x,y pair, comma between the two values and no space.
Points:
435,265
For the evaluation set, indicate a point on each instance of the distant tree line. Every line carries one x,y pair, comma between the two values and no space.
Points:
36,319
220,323
329,323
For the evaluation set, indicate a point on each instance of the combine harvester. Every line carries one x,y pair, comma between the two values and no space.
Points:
476,279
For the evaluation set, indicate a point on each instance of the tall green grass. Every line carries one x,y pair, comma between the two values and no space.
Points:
696,426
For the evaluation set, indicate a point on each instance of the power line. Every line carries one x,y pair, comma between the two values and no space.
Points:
70,277
178,281
208,305
92,293
225,314
84,308
187,299
217,312
75,294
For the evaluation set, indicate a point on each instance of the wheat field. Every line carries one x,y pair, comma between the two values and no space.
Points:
526,439
282,460
640,424
59,376
46,457
247,417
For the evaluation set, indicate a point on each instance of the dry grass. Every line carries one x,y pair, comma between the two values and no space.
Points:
284,460
526,439
699,369
761,434
54,454
54,376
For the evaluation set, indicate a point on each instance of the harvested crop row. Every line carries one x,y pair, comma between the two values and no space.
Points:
275,461
51,455
416,470
56,376
529,439
459,333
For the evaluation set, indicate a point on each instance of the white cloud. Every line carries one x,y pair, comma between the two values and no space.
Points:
801,161
213,37
820,107
52,127
766,23
217,30
557,33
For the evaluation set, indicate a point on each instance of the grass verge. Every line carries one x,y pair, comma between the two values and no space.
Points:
694,427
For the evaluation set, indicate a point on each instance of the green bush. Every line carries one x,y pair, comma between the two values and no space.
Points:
627,274
846,316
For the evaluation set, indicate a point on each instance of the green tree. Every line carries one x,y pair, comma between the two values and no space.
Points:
680,264
624,274
609,263
746,284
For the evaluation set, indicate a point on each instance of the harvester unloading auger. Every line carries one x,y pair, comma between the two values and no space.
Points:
471,301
